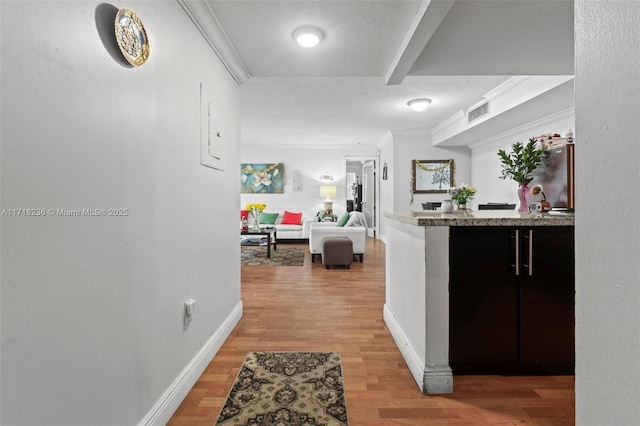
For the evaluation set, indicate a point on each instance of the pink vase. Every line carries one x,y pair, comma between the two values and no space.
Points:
523,194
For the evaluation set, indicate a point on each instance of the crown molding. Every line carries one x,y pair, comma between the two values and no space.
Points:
564,114
207,23
449,122
309,146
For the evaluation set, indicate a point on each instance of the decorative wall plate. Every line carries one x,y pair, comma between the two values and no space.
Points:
131,37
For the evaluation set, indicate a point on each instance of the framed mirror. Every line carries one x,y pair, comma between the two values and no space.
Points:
431,176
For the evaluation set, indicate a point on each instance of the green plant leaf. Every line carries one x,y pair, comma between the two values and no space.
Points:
521,161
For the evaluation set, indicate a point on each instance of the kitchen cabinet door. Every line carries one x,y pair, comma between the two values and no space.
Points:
547,294
483,299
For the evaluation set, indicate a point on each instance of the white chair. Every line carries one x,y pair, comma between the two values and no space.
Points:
319,231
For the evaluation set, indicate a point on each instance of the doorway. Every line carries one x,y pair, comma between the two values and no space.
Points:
363,189
369,196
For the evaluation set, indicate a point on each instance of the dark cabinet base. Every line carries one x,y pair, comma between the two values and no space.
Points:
511,300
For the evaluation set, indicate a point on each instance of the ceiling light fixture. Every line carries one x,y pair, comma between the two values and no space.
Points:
419,104
307,36
326,176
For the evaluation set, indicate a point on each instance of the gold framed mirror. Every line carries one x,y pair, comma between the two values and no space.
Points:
432,176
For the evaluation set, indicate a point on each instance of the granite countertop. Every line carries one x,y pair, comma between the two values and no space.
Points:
482,218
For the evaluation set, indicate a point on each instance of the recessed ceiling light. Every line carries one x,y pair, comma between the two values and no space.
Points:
307,36
419,104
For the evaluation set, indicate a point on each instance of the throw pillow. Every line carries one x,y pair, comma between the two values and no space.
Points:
268,218
343,219
292,218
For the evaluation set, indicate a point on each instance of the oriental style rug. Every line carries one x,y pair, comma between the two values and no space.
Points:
287,389
284,256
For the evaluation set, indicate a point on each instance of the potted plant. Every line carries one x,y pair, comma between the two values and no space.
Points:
519,164
462,195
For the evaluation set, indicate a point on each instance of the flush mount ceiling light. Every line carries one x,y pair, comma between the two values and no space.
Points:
307,36
419,104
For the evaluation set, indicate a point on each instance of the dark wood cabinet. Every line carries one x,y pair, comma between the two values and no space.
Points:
511,299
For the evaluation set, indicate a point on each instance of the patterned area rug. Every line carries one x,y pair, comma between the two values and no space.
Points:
284,256
287,389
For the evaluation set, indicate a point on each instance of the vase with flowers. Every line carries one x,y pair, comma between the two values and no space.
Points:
255,210
462,195
519,165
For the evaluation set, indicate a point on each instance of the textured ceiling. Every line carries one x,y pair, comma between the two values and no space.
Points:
361,37
337,94
349,110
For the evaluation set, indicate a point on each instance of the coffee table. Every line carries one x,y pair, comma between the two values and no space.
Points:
271,238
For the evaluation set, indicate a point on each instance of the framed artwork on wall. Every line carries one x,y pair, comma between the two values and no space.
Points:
262,178
431,176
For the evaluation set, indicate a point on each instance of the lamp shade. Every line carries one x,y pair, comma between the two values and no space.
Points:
328,191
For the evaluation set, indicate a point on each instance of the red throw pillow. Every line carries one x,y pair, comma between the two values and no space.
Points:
244,214
292,218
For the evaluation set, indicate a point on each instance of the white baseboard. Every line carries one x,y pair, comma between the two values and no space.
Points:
416,366
171,399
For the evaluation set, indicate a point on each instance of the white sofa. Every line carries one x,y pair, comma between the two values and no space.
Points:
319,231
290,232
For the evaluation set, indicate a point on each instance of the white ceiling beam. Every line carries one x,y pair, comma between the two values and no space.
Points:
209,26
428,19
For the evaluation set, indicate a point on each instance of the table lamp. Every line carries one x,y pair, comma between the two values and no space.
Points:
328,191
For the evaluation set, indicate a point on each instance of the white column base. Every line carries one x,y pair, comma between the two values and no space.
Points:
431,379
438,379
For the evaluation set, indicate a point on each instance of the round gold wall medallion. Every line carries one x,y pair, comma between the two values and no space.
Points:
131,36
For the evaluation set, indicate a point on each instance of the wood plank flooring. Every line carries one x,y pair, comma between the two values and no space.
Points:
310,308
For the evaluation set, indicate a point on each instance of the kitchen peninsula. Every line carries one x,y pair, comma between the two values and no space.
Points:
480,292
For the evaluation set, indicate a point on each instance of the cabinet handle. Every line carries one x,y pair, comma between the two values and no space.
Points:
530,252
529,265
517,265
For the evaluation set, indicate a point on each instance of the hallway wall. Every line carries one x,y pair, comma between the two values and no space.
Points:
607,248
92,306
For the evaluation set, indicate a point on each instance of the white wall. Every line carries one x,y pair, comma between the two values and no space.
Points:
485,163
405,293
311,162
607,227
408,147
92,328
398,151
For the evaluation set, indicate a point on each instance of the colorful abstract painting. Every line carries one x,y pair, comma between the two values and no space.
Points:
262,178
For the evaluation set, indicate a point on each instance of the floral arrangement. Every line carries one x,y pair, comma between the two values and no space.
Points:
462,194
521,162
255,210
256,206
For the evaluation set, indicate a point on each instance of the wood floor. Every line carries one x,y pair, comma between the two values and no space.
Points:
312,309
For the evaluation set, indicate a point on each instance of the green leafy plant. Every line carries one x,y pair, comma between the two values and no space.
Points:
521,161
